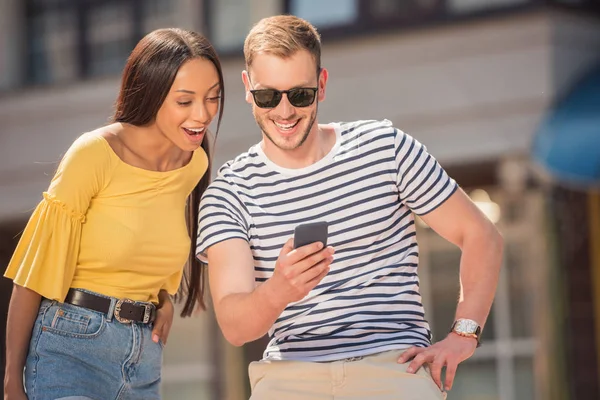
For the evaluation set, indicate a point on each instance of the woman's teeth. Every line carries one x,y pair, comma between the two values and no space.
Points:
194,131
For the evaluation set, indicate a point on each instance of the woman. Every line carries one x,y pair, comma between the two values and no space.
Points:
106,247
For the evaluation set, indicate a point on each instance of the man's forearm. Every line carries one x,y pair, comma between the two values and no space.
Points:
245,317
479,271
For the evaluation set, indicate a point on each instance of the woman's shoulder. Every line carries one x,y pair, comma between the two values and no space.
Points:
91,148
110,135
97,139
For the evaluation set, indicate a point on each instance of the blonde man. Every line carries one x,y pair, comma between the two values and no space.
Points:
352,326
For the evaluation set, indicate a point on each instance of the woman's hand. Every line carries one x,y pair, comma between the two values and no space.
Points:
164,318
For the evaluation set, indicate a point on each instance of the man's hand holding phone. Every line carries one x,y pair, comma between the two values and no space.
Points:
298,271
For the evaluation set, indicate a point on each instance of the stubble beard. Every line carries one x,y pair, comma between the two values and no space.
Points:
283,145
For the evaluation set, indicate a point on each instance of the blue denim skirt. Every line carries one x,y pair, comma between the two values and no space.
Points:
77,353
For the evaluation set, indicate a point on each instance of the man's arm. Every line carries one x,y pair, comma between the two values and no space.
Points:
459,221
246,313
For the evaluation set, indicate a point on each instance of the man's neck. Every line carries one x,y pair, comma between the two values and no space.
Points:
316,146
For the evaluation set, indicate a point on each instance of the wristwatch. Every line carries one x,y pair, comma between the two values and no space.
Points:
467,328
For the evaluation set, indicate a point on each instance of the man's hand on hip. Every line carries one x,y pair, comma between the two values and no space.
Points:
448,353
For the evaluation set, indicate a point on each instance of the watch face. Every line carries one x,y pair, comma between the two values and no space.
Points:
466,326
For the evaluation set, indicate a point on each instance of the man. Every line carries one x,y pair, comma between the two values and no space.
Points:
351,326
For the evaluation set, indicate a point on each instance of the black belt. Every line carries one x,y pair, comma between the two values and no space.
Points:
125,311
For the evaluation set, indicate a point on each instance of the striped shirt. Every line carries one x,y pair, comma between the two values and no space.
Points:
367,188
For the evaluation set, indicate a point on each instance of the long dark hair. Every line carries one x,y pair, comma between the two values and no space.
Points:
147,78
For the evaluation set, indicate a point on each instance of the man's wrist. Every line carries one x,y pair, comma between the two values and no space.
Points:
270,295
467,328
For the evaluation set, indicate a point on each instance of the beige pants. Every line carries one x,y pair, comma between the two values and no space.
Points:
376,377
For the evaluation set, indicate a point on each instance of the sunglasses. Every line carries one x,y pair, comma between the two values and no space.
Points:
298,97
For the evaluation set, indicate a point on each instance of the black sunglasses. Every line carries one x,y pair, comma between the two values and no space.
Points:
298,97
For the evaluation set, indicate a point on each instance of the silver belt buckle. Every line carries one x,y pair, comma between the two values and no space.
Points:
147,313
117,312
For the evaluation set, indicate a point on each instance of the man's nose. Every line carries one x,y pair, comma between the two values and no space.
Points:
284,108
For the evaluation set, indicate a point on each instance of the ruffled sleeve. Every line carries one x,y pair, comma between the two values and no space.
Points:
46,256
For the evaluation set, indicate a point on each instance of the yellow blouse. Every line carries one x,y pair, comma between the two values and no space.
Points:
107,226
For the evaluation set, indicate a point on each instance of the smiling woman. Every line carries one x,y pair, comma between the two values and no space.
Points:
107,246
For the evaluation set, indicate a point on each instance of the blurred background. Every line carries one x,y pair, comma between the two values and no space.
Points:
505,94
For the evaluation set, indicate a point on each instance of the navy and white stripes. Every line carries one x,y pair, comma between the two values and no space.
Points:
367,188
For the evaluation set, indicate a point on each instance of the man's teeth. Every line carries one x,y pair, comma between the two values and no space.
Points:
286,126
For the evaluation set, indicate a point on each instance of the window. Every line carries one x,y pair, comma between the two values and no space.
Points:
157,14
53,45
347,16
461,7
343,17
110,37
69,40
325,14
229,21
405,12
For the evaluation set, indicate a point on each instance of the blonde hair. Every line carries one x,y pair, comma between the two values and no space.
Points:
282,36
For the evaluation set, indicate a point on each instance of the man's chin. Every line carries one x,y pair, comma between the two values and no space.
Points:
286,143
284,140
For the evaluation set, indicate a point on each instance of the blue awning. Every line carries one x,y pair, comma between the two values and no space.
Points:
567,143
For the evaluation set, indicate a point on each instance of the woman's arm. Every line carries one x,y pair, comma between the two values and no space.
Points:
22,312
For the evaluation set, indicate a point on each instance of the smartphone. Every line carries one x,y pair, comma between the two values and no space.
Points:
311,232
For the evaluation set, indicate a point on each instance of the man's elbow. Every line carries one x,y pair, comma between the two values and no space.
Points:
234,329
235,334
231,333
497,237
486,235
234,338
494,239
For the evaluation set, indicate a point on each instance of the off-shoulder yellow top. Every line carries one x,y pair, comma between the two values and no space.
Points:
107,226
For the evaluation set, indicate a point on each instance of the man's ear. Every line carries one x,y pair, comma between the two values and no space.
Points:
246,80
323,76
